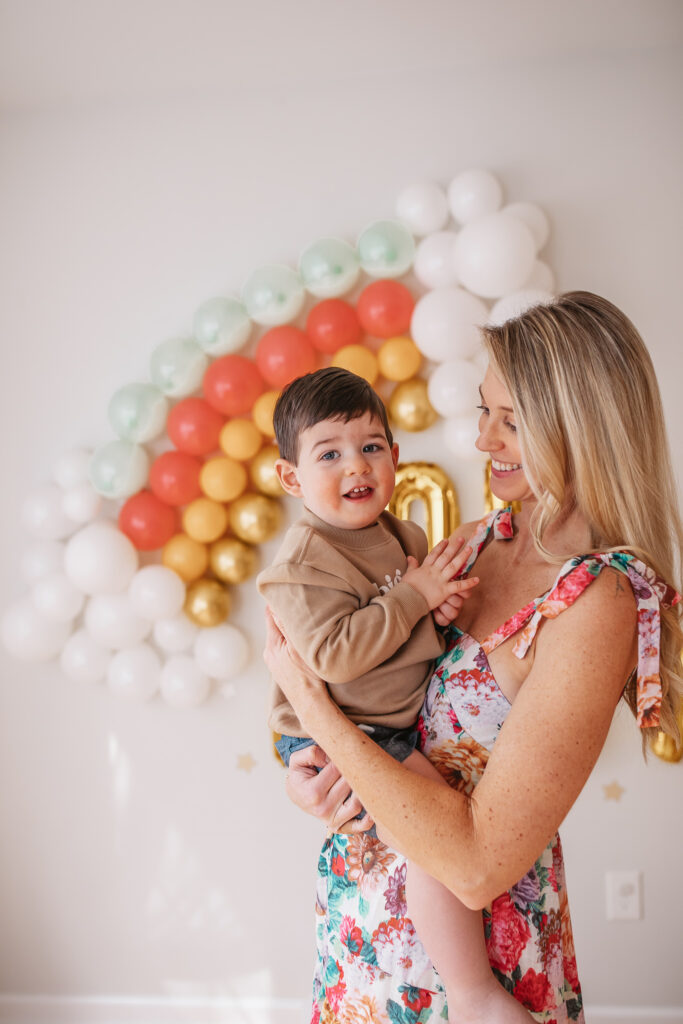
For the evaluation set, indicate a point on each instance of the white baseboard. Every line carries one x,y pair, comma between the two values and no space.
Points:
25,1009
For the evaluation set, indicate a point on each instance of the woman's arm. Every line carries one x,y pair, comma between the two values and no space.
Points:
479,846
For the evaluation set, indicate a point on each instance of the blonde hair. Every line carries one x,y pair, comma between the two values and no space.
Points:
592,435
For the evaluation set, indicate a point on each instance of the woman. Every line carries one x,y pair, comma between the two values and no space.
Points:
564,622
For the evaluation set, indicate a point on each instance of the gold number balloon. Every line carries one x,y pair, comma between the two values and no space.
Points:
410,408
207,602
425,482
255,518
232,560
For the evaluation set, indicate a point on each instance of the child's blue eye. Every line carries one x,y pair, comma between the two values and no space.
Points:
328,456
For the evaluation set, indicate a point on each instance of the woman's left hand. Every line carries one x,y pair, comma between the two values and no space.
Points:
289,671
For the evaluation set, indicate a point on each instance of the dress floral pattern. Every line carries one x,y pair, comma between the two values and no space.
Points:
371,966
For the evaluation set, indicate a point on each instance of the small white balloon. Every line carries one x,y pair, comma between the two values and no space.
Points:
433,264
221,651
423,207
57,598
40,558
71,468
494,255
83,659
176,634
459,434
445,324
81,503
534,218
183,684
111,621
134,673
42,514
511,306
100,559
29,635
157,592
473,194
453,388
542,277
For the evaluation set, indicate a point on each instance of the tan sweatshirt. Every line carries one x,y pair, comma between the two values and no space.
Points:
340,599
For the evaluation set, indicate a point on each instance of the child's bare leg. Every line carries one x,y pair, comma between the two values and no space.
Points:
453,936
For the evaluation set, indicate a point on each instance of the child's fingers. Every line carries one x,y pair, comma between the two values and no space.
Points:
436,551
453,552
463,587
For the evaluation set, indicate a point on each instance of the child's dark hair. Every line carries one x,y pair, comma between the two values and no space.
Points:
328,394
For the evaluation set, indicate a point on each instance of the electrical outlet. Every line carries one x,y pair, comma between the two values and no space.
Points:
624,892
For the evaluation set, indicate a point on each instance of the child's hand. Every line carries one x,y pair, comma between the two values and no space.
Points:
434,579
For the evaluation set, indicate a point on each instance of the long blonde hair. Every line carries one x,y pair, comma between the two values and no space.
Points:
592,435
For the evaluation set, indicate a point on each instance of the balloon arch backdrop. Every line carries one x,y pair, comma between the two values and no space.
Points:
134,547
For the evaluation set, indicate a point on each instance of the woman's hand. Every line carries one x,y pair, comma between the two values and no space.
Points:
298,683
316,786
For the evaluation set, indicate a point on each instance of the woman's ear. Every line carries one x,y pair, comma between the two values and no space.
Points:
287,475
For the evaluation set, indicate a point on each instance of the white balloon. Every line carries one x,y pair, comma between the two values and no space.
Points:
81,503
42,514
183,684
517,303
534,218
453,387
221,651
134,673
111,621
29,635
157,592
494,255
459,434
83,659
445,323
176,634
40,558
57,598
542,277
423,207
71,468
474,194
433,264
100,559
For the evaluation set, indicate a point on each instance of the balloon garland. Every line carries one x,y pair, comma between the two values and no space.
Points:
189,479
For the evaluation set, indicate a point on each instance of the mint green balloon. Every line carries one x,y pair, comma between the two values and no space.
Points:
386,249
273,295
221,326
137,412
119,469
328,268
177,367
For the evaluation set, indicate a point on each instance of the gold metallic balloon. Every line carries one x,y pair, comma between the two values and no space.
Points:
263,412
232,560
491,501
255,518
427,483
409,406
207,602
187,557
262,471
664,746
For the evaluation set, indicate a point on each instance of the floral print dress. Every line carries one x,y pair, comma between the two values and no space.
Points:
371,966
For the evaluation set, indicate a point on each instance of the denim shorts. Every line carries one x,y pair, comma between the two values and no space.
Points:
399,743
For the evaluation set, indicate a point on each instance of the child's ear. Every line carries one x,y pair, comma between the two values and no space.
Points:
394,454
287,475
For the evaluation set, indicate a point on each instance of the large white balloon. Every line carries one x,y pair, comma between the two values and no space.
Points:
473,194
71,468
542,277
433,264
221,652
111,621
517,303
40,558
42,514
534,218
81,503
134,673
423,207
445,324
176,634
183,684
83,659
157,592
100,559
494,255
453,387
29,635
459,434
57,598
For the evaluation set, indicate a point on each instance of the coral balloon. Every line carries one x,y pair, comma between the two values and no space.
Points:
187,558
399,359
232,384
284,353
207,602
174,478
147,521
264,406
194,426
262,471
232,560
255,518
241,439
205,520
332,324
223,479
385,308
358,359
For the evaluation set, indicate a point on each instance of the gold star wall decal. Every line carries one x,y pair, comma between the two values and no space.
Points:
613,791
245,763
